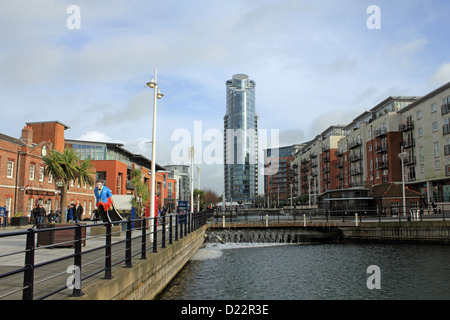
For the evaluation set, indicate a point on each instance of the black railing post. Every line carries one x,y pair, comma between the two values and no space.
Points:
28,277
128,245
177,216
163,237
108,239
155,234
170,229
77,262
144,239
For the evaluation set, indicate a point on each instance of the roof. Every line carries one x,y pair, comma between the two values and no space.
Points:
426,97
392,190
41,122
136,158
10,139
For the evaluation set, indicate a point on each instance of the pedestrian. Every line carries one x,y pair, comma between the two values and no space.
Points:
78,211
35,215
69,217
41,213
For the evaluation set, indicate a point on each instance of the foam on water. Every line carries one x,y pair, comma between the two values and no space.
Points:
215,250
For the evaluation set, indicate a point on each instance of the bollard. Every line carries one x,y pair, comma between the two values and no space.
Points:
223,221
304,220
267,220
356,220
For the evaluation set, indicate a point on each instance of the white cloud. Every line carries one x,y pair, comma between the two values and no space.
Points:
442,75
95,136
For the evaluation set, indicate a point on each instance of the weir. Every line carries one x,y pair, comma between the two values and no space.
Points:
272,235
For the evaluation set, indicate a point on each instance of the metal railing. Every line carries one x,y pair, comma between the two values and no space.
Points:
342,215
100,256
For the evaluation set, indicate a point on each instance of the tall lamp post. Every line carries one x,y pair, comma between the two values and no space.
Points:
157,95
402,155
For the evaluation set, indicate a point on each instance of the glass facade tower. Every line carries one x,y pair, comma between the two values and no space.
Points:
240,140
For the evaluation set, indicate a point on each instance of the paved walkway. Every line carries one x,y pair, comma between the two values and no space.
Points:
52,277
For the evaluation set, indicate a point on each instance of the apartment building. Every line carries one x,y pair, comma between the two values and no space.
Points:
425,130
278,176
367,150
314,165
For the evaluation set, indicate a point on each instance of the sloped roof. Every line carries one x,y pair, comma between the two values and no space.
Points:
392,190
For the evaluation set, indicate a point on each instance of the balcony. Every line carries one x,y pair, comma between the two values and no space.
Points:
339,164
380,132
382,165
354,143
446,129
411,142
410,160
445,108
383,148
313,154
447,149
339,153
356,170
339,176
326,169
355,157
406,126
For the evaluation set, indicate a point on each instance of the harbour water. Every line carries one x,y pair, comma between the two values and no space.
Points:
337,271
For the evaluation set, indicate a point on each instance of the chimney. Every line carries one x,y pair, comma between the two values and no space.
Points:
27,135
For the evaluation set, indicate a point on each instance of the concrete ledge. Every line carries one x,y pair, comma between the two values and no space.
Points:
147,277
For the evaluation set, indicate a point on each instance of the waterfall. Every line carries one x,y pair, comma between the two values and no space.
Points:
281,235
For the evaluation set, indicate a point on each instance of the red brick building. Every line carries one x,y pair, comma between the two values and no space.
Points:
22,180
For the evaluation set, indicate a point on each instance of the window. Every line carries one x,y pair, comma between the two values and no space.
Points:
41,174
437,165
422,167
32,169
433,107
421,153
436,148
435,126
420,132
10,171
419,114
50,178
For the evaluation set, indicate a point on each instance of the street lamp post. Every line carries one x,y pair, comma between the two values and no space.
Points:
402,155
157,95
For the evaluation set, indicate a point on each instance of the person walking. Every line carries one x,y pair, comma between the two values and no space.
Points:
41,213
69,216
35,215
78,211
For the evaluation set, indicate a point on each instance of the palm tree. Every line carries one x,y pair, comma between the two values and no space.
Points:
65,167
141,193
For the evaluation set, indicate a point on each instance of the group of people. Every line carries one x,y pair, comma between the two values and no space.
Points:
74,213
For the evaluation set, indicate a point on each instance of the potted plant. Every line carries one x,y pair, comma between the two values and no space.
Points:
19,220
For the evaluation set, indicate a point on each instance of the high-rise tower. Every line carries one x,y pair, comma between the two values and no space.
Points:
241,140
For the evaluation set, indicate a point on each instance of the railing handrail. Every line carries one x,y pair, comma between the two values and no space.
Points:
186,223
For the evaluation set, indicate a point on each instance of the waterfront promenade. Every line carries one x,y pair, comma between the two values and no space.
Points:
55,276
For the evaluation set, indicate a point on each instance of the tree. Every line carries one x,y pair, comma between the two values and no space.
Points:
65,167
141,193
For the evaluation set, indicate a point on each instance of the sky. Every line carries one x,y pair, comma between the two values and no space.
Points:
315,64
